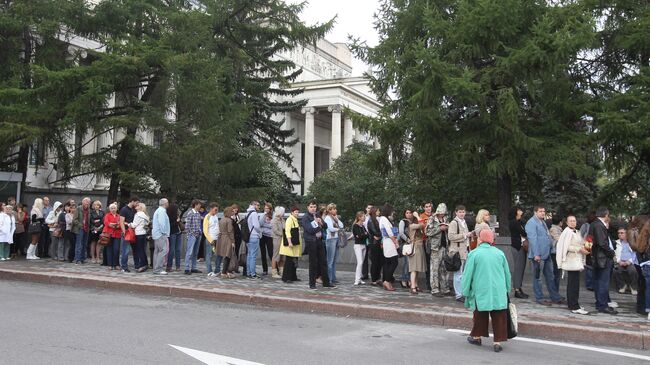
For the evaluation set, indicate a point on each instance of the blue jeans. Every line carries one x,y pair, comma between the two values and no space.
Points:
458,280
191,251
208,256
544,267
601,279
175,243
81,246
589,278
646,275
217,264
124,259
406,274
253,246
332,250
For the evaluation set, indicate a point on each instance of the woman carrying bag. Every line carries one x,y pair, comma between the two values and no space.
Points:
417,257
292,246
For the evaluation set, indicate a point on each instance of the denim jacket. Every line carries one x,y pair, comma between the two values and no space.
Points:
539,239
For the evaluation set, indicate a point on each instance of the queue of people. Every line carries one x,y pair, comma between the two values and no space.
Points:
430,244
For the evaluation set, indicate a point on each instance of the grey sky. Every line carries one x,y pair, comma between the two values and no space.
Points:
354,17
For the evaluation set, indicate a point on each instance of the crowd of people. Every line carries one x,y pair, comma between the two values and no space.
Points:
436,250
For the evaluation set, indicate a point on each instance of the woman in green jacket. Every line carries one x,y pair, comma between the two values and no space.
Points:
486,284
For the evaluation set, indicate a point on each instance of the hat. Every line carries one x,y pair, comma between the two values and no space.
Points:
56,205
441,209
486,235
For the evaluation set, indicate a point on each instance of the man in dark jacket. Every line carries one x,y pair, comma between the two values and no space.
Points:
312,227
602,253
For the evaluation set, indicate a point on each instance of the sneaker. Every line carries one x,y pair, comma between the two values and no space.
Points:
276,276
188,272
623,289
460,299
544,302
580,311
612,305
163,273
126,270
313,287
634,292
2,259
608,310
210,274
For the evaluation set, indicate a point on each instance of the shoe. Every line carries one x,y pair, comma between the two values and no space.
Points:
580,311
648,316
460,299
276,276
358,283
413,291
287,281
378,283
188,272
329,286
623,289
335,282
608,310
561,301
388,286
544,302
365,278
195,271
632,291
126,270
2,259
265,273
210,274
142,269
160,273
612,305
497,348
319,281
313,287
403,284
474,341
77,262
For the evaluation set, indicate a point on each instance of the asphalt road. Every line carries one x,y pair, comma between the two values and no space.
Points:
45,324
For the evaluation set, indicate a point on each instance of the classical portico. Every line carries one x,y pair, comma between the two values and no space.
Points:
324,128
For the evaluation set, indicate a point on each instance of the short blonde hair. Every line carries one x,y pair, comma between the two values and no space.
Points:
330,207
480,216
142,207
97,202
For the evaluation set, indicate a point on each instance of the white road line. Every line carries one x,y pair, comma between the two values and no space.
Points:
570,345
213,359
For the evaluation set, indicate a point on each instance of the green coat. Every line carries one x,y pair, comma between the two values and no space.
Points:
486,279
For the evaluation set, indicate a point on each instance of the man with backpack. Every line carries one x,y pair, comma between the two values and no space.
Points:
458,235
251,233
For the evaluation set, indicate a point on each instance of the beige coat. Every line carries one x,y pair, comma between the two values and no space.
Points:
226,240
568,254
458,241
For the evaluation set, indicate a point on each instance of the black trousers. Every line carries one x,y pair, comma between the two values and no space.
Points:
290,266
225,263
364,267
390,264
238,244
317,263
573,289
377,261
266,248
427,256
201,253
44,243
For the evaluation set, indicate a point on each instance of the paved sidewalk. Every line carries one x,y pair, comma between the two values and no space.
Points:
628,329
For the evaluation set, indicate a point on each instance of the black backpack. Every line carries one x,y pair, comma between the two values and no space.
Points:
245,231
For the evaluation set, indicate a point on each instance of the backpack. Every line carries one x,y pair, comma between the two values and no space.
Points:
452,263
245,231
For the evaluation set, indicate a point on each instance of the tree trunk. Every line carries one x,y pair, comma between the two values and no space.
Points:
504,202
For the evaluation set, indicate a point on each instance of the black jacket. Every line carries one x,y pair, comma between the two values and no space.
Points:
517,233
360,234
601,253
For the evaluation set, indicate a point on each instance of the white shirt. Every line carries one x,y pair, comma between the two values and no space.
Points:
140,221
213,226
389,247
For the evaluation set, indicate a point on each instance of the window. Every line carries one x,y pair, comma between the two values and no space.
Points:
37,154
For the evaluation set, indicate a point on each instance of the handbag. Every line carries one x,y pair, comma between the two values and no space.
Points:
343,240
35,227
104,239
58,232
129,236
407,249
473,242
513,326
452,262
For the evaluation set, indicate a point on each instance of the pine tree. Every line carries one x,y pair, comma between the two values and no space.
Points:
483,90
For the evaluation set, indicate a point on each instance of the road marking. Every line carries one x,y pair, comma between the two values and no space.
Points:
213,359
570,345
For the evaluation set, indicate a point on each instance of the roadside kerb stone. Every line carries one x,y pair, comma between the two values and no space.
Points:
441,317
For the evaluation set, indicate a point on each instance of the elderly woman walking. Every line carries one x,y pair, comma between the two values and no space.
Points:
486,283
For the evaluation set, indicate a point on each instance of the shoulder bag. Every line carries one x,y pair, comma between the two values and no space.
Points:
104,239
513,326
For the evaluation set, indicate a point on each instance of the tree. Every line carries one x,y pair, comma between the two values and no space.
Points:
198,77
483,90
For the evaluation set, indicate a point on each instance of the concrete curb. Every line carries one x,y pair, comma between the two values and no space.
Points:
550,331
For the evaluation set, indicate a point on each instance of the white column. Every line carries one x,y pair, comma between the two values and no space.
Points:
348,132
308,175
336,132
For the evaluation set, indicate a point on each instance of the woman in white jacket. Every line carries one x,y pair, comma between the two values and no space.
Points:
570,255
7,228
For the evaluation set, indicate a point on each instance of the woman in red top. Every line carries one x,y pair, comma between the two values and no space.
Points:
112,227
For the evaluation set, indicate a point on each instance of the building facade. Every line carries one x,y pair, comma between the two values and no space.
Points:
322,127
